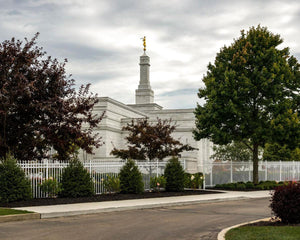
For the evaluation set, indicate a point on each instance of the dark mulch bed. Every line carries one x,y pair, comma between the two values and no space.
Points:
102,198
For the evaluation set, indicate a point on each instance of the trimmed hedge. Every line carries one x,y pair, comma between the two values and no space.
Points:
263,185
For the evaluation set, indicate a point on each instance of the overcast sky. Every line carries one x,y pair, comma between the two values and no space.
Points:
101,39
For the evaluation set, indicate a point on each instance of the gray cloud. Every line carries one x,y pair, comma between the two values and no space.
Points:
101,38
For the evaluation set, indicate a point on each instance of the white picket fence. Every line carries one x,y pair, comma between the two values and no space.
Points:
37,172
228,172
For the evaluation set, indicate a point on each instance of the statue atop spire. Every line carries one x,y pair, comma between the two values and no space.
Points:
144,43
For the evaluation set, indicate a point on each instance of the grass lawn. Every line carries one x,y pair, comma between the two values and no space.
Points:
8,211
264,233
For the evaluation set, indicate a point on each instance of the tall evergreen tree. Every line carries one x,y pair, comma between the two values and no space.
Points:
251,92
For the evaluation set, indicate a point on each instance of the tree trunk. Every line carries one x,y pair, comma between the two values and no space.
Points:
255,163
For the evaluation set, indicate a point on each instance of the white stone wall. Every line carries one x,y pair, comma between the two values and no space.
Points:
110,128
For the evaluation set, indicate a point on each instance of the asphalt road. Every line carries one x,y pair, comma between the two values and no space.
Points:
198,221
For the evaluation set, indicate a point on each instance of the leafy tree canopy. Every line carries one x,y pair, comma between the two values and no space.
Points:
39,107
235,151
276,152
251,91
150,141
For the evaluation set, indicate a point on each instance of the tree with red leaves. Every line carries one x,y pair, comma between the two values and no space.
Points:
39,106
151,142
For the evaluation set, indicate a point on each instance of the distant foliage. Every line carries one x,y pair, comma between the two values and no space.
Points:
76,181
277,152
112,184
285,203
14,186
234,151
194,181
174,175
131,180
51,187
156,183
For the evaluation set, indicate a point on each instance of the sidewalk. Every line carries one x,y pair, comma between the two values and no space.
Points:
97,207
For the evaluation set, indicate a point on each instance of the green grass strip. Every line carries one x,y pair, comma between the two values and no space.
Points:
264,233
8,211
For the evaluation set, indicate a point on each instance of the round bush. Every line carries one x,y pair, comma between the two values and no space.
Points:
250,185
131,180
14,186
174,175
76,181
285,203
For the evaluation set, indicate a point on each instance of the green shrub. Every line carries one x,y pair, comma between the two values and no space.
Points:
112,184
51,187
158,182
174,175
194,181
14,186
240,186
249,185
131,180
267,185
76,181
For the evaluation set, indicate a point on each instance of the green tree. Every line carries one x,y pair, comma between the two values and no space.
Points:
277,152
131,180
235,151
14,185
39,106
174,175
76,181
250,91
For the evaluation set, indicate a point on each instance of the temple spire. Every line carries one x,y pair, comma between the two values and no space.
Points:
144,93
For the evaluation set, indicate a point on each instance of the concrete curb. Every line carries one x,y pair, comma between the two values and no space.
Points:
19,217
136,207
221,235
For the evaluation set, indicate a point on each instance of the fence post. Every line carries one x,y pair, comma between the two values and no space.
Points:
249,172
266,170
204,176
231,179
280,169
211,175
157,168
90,166
47,169
294,169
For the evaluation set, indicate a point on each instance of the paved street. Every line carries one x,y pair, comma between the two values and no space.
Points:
198,221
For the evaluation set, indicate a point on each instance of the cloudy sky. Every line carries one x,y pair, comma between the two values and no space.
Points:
101,38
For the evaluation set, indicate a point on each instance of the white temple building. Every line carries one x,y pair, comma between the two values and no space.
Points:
118,114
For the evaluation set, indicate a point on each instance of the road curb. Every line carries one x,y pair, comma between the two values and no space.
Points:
136,207
19,217
221,235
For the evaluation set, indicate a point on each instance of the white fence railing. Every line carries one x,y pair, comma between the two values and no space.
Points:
227,172
37,172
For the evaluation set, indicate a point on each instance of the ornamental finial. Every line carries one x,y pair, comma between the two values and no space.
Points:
144,43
